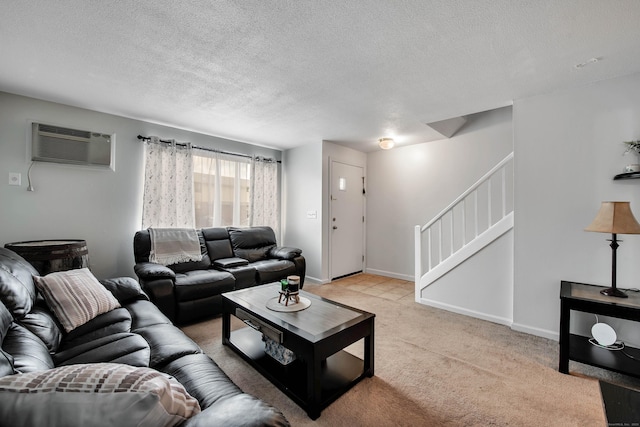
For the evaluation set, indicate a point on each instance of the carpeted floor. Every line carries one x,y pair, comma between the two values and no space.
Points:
435,368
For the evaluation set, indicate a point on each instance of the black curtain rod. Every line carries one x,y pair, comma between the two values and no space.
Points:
164,141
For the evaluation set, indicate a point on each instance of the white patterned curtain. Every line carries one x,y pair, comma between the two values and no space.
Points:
168,185
265,206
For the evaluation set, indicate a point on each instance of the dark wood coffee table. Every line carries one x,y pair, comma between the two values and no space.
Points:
318,335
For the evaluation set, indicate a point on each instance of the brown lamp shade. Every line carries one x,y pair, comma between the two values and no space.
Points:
616,218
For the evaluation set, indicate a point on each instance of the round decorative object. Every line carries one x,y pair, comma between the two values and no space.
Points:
293,283
604,334
273,304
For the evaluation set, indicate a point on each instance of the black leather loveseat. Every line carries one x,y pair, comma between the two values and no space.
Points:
232,258
35,342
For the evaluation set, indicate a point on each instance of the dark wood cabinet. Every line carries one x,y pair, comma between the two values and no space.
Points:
587,298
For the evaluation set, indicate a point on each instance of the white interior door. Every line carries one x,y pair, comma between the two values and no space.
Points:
346,224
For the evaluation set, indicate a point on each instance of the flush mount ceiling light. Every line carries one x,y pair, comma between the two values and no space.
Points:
386,143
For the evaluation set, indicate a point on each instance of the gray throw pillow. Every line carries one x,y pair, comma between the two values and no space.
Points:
75,296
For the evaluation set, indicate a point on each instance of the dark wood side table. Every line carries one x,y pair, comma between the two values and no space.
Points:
587,298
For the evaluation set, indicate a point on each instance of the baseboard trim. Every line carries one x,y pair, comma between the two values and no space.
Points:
315,280
390,274
464,311
544,333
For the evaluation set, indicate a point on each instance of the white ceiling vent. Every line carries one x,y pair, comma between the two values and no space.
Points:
50,143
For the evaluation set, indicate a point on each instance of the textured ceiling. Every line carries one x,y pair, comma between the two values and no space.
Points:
287,73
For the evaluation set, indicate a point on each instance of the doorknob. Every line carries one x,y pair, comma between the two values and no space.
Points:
335,228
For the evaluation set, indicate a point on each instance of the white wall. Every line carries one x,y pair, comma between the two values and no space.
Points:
408,186
70,202
302,194
568,147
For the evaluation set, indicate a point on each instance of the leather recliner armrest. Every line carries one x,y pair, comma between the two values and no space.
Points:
284,252
157,282
150,271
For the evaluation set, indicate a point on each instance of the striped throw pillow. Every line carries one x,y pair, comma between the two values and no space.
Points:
75,296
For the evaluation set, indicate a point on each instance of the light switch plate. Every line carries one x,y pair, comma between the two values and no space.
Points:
15,178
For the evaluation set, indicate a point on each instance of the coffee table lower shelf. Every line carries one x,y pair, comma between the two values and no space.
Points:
340,372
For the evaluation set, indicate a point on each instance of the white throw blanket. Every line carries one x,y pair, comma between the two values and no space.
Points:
174,245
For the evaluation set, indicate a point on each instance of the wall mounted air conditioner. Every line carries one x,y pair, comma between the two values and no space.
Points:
51,143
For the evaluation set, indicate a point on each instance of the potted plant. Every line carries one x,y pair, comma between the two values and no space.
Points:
633,147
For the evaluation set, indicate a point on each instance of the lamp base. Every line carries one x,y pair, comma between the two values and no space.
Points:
614,292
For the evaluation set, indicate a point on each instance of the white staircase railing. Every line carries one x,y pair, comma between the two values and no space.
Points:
476,218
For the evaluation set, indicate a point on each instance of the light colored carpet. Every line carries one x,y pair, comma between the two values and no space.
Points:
434,368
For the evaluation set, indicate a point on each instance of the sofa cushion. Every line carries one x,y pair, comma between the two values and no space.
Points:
198,284
95,395
6,364
112,322
239,410
145,313
217,241
75,296
202,378
245,276
192,311
28,351
167,343
128,348
6,361
253,243
17,290
5,321
42,323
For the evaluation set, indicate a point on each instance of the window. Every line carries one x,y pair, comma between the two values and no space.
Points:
221,187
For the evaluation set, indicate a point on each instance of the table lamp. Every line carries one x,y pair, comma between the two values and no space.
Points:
615,218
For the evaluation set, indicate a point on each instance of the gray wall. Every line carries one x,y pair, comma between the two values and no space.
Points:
408,186
568,147
102,207
306,189
302,192
481,287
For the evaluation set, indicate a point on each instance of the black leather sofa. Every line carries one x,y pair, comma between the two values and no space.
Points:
232,258
136,334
